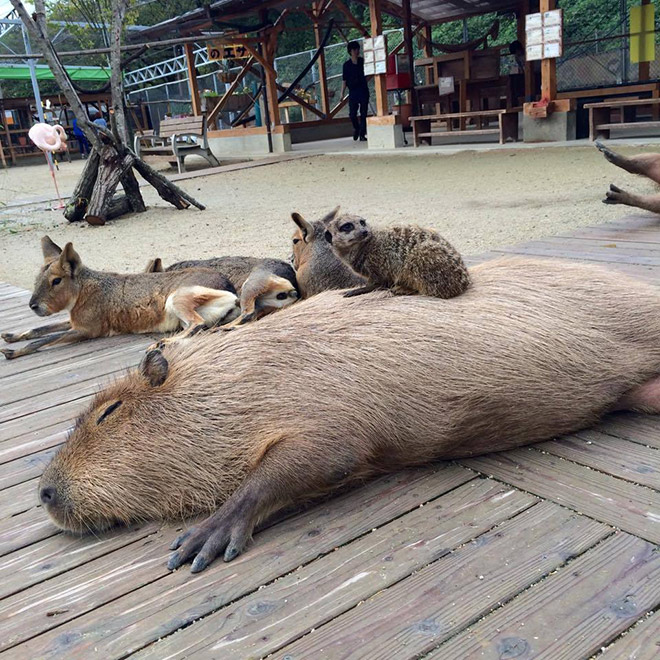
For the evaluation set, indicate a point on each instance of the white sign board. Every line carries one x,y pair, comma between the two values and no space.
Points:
446,85
543,33
375,55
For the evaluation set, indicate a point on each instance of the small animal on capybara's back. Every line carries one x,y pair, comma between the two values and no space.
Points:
407,259
336,390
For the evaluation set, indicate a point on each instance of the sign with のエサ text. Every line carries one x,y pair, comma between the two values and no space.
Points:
226,51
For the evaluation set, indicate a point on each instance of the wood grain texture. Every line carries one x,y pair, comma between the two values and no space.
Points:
288,608
415,615
644,429
569,614
24,529
34,441
642,642
134,620
632,508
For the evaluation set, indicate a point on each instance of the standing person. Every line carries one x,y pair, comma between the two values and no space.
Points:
82,140
358,91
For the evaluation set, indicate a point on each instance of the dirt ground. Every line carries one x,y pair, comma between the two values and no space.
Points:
478,200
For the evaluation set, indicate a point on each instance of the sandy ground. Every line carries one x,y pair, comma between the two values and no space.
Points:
478,200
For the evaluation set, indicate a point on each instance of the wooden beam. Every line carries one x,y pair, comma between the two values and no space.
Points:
340,6
529,69
399,47
323,76
338,107
380,84
192,80
548,66
268,53
232,88
261,59
408,35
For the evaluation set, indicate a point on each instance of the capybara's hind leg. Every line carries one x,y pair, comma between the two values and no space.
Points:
286,473
642,164
616,195
643,398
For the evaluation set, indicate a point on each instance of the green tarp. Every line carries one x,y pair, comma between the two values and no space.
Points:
44,73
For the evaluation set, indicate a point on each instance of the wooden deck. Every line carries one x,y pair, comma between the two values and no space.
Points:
543,552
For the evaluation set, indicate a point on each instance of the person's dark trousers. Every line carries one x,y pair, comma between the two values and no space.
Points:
359,125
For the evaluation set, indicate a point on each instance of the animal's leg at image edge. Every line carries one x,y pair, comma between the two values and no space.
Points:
644,398
35,333
282,475
67,337
643,164
616,195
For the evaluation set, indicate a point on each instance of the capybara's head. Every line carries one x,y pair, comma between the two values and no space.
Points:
92,483
57,286
345,232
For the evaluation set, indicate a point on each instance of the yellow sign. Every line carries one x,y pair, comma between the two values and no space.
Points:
227,51
642,33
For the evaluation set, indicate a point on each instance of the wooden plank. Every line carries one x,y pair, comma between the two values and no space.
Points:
576,242
461,115
644,429
617,234
290,607
639,643
595,247
25,468
34,441
25,529
19,498
632,508
629,124
574,612
617,104
54,378
592,255
60,553
617,457
412,617
123,626
467,131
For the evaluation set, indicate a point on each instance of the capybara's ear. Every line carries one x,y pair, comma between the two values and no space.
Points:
70,259
328,236
154,266
50,250
305,227
154,367
327,219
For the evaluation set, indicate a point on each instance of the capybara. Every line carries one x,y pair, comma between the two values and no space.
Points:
101,304
338,389
318,268
407,259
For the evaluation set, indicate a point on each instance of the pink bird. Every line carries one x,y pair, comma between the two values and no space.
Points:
47,137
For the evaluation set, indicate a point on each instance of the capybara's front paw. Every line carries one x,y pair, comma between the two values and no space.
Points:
10,337
8,353
615,195
224,530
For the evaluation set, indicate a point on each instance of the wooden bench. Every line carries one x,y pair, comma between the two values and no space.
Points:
600,116
506,129
179,138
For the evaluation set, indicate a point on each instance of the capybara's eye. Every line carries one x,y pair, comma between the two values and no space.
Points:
56,281
111,408
296,240
348,226
282,295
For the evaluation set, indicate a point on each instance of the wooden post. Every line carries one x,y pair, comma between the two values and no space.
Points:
323,77
380,79
268,53
548,66
529,70
408,40
192,80
645,67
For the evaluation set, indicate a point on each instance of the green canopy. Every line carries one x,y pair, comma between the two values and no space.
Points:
44,73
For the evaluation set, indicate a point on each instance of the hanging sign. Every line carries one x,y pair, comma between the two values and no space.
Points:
218,51
375,55
642,33
543,34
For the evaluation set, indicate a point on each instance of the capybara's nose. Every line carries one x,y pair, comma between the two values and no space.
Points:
48,496
33,303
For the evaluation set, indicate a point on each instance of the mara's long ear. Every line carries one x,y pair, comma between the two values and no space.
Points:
305,227
50,250
154,367
154,266
70,259
327,219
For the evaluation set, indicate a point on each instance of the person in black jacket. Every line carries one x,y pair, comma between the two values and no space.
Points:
358,91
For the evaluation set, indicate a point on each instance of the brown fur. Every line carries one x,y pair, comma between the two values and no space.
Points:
647,165
337,390
102,304
317,267
406,259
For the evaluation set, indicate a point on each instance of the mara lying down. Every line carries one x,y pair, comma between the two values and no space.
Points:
338,390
